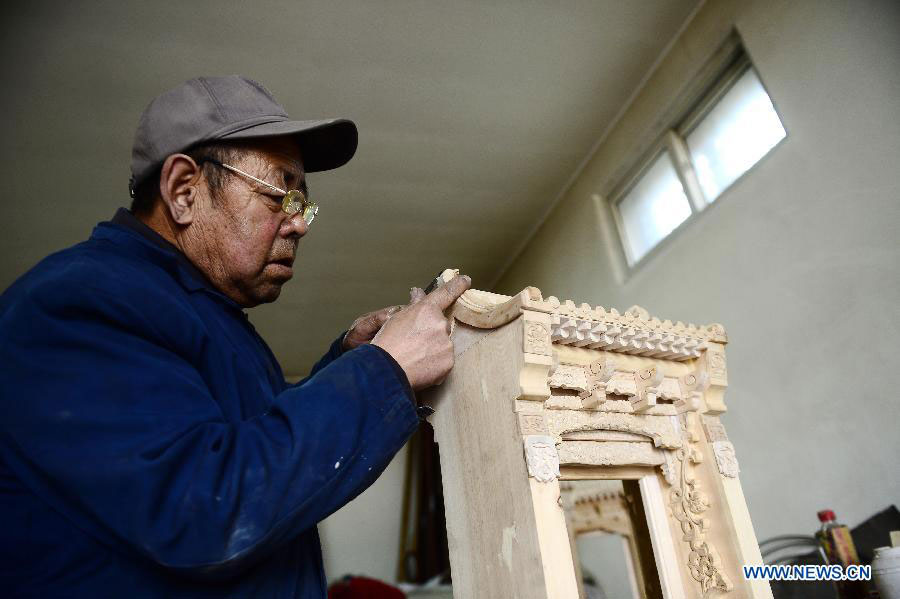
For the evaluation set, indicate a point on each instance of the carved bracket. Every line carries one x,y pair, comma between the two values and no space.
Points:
669,467
712,362
597,373
692,386
726,460
538,356
541,458
646,383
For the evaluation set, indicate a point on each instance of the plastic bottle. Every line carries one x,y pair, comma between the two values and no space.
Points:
836,540
839,549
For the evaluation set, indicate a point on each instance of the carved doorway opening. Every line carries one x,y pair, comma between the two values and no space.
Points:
621,544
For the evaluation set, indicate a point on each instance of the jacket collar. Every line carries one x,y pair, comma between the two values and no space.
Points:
126,229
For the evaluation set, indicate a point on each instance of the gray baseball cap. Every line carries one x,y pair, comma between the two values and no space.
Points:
208,109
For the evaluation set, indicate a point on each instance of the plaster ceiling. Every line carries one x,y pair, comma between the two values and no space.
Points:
472,117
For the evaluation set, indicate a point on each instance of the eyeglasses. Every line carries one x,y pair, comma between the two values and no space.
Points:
294,200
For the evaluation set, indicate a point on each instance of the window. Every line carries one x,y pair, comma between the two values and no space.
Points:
728,130
654,207
741,128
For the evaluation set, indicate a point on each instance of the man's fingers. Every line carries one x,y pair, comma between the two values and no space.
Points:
384,314
416,295
444,296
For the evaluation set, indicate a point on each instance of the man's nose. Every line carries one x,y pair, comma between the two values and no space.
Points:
294,226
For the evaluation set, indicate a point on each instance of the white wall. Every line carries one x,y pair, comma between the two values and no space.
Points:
798,259
363,537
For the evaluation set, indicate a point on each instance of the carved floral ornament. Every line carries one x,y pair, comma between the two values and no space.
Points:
537,338
541,458
717,364
726,460
688,502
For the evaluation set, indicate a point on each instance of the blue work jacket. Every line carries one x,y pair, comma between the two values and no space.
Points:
149,444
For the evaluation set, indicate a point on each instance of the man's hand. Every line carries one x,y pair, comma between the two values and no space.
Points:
418,336
365,327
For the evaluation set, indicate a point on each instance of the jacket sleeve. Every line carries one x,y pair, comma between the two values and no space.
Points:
335,351
119,433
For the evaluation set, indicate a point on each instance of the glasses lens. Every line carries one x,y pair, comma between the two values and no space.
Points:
293,202
310,209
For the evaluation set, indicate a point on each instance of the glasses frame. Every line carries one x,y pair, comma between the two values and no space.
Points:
294,200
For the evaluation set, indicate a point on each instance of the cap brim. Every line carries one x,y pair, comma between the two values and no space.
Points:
324,144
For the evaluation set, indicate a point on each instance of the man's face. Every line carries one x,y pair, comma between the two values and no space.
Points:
246,244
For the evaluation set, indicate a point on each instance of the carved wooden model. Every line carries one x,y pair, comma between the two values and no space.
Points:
544,391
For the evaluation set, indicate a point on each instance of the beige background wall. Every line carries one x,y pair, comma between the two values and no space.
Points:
363,537
798,259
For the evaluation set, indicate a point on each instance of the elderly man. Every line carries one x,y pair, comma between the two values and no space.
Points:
150,445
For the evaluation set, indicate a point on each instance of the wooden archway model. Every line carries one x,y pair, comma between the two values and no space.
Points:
544,391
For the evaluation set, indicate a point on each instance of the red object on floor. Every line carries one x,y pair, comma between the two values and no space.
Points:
359,587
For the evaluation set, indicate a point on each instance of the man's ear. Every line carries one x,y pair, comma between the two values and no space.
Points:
178,185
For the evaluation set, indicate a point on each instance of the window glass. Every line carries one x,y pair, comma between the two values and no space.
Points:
741,128
653,208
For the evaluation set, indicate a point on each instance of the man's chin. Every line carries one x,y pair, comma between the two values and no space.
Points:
265,293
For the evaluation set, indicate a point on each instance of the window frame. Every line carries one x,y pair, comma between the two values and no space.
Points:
673,139
656,151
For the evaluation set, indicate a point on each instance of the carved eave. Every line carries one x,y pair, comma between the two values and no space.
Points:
635,332
632,332
549,323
